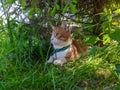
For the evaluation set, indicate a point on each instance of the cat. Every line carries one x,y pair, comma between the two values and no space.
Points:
65,49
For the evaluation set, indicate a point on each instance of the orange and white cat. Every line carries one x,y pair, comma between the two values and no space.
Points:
64,48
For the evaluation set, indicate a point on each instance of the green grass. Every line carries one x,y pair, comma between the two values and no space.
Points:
93,72
23,57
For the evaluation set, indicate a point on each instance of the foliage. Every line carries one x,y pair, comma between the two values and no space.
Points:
117,68
25,46
94,71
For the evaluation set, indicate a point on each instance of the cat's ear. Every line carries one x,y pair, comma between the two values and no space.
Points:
64,26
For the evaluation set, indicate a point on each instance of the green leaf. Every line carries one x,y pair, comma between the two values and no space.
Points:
117,11
73,8
65,9
10,1
115,35
74,1
23,3
92,40
92,50
117,68
53,11
110,18
57,6
38,10
106,39
30,12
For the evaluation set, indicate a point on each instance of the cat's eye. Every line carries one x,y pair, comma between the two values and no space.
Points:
56,34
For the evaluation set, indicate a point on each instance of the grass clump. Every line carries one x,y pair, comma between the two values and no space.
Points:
93,72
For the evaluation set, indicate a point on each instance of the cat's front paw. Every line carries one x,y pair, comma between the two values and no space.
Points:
49,61
58,62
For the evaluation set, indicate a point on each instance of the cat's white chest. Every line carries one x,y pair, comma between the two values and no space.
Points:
61,54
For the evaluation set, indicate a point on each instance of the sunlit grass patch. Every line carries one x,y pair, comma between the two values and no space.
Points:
95,71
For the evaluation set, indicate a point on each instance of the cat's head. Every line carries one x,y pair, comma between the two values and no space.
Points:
61,35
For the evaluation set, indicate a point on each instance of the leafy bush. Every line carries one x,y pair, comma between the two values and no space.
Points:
25,46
